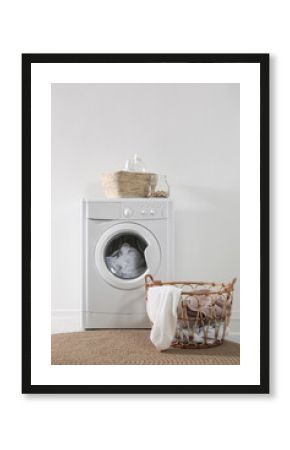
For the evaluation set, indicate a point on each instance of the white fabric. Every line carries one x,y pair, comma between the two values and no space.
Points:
198,336
126,262
162,303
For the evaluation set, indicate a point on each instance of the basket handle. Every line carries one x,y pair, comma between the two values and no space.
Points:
149,281
234,281
149,278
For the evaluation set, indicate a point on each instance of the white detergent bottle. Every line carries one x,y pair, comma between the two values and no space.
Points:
135,164
130,165
138,164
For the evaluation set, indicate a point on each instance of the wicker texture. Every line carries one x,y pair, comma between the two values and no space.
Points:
203,313
128,184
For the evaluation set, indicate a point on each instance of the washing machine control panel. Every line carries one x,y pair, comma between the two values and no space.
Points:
145,210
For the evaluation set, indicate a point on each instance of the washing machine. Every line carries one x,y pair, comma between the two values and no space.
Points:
123,240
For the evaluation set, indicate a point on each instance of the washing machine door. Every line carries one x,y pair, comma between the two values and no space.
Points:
125,253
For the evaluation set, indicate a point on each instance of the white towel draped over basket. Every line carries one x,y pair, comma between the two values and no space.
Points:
162,304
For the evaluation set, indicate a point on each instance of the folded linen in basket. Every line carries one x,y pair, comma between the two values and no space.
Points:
162,304
216,306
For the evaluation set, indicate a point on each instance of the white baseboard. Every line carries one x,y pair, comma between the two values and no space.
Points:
65,321
232,336
234,330
69,321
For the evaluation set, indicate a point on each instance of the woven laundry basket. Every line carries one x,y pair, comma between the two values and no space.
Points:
128,184
203,313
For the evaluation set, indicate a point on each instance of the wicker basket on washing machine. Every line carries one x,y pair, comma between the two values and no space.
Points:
203,314
123,184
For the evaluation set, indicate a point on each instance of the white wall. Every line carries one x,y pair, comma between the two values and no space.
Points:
190,132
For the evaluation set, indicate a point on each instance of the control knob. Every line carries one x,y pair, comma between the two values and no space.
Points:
127,212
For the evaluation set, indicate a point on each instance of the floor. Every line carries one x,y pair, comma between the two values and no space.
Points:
132,347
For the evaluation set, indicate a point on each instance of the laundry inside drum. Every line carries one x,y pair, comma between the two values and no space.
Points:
124,256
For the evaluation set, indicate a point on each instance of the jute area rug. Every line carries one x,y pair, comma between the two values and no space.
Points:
128,347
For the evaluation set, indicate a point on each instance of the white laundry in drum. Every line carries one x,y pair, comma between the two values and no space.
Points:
126,262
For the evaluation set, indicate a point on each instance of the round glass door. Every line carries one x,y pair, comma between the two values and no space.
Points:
124,256
125,253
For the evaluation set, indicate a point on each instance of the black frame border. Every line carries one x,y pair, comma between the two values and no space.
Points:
210,58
